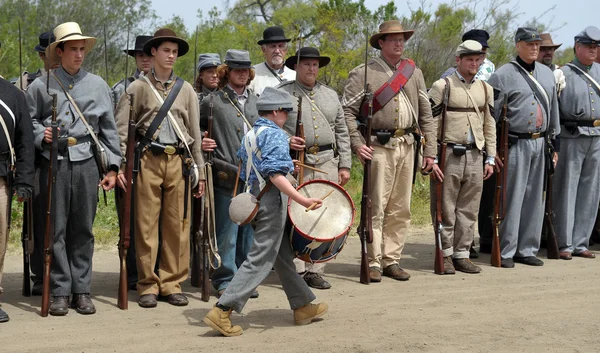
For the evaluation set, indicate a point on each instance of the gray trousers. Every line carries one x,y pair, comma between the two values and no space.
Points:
76,192
270,249
576,192
521,230
39,212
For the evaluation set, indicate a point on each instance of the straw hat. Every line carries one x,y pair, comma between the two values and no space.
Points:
66,32
389,27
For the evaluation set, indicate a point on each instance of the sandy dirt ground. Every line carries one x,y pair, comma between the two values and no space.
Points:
554,308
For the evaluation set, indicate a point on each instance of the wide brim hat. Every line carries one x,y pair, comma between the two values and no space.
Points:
307,53
139,45
389,27
66,32
547,41
44,40
166,34
274,34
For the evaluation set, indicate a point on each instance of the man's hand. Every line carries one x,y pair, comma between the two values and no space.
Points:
109,181
364,153
499,165
297,143
343,176
555,159
200,191
428,163
48,134
437,173
488,171
208,145
121,181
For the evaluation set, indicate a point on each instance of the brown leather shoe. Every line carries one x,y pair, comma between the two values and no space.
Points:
448,266
565,255
586,254
82,303
396,272
375,274
147,301
59,306
177,299
314,280
466,266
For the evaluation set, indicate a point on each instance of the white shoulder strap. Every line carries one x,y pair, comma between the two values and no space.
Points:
6,133
586,75
538,85
252,147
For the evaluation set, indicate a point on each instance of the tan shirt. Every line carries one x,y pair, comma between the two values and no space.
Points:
460,125
396,113
185,110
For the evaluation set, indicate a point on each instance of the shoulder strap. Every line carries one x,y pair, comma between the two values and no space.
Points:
252,147
535,86
6,132
445,101
312,104
238,110
392,87
83,119
273,72
586,77
166,105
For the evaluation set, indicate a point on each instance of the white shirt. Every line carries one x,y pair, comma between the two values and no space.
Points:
266,77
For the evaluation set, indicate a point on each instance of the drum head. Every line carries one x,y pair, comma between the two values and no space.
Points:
332,220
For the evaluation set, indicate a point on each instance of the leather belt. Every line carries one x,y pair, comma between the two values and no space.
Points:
588,123
314,149
465,110
396,132
158,148
468,146
528,135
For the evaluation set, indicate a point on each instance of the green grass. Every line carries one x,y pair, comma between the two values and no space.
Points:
106,226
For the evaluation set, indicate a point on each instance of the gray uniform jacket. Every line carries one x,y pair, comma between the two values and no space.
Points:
579,100
522,102
228,125
119,88
203,93
93,97
320,129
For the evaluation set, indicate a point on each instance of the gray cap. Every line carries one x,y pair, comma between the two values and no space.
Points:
208,60
238,59
469,47
527,34
274,99
590,35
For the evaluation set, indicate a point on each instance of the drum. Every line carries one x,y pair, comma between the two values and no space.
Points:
319,235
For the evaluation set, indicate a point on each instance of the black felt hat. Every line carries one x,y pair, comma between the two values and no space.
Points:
273,34
139,45
307,53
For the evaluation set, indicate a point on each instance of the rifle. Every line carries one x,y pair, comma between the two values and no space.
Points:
500,193
50,204
552,251
125,230
20,65
27,240
438,266
365,228
197,89
299,125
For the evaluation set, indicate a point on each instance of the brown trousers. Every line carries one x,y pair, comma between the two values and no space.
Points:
160,194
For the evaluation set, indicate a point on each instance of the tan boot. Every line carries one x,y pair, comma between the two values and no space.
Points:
308,313
219,320
448,266
466,266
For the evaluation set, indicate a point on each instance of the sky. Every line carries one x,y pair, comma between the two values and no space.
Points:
568,18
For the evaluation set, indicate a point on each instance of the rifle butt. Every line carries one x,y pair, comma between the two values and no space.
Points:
205,293
364,261
496,259
552,251
438,265
196,272
122,300
26,275
46,285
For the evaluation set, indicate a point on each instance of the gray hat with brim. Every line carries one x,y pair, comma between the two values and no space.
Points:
208,60
590,35
469,47
274,99
238,59
527,34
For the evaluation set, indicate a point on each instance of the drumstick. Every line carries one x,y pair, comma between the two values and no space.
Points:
315,203
311,168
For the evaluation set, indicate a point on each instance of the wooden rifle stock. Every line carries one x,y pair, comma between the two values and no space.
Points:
300,133
552,251
27,239
500,192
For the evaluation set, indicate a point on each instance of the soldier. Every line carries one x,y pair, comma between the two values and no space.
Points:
395,120
16,123
169,150
44,40
272,71
546,55
469,129
207,80
80,95
532,115
234,114
143,64
326,134
577,177
487,67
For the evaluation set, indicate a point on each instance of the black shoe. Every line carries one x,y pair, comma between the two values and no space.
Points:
473,253
485,248
37,288
529,260
3,316
177,299
507,263
315,280
254,294
147,301
59,306
82,303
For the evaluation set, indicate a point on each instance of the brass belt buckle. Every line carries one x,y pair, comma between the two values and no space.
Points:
399,133
596,123
314,149
71,141
535,135
170,149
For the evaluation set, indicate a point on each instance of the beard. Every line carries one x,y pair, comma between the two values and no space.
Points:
277,60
